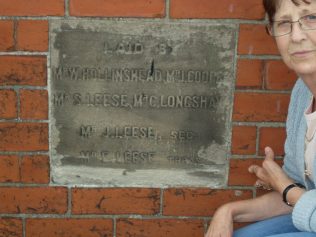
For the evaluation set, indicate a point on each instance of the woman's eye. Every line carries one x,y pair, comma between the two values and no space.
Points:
283,23
311,17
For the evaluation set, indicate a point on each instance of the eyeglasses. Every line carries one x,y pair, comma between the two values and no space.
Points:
284,27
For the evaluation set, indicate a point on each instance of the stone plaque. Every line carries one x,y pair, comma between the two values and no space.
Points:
136,103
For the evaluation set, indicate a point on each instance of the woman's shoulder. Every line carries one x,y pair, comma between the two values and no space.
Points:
300,93
300,98
300,87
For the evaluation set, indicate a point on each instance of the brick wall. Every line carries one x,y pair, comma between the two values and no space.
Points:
31,206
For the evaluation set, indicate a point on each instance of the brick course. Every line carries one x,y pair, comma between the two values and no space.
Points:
11,227
249,74
273,137
256,107
10,169
116,201
24,137
278,76
241,9
23,70
244,140
6,36
32,35
253,40
34,104
39,200
69,227
118,8
32,8
8,104
35,169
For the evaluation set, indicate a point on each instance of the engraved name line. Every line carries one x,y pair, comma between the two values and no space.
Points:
133,157
209,102
138,75
132,47
116,132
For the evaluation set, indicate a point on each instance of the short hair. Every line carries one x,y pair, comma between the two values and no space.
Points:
271,6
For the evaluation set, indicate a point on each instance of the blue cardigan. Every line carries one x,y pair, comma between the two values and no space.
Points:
304,212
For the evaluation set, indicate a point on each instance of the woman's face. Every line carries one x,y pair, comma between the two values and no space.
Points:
298,49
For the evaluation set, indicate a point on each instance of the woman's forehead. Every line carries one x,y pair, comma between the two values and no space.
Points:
287,7
297,3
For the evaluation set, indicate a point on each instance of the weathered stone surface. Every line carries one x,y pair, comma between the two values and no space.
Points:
140,104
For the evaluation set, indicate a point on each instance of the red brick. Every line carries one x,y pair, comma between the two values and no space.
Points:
6,35
33,104
260,107
116,201
242,9
115,8
244,140
69,228
249,74
35,169
278,76
8,104
23,70
24,136
198,202
159,228
10,227
10,170
32,7
32,35
239,175
274,138
253,39
41,200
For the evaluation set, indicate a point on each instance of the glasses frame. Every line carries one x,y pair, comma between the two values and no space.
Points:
270,31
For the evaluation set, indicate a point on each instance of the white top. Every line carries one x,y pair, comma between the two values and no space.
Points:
310,139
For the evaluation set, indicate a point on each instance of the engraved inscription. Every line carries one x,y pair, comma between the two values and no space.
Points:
130,132
137,75
124,48
209,102
140,104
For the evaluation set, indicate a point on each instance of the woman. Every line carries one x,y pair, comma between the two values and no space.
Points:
290,209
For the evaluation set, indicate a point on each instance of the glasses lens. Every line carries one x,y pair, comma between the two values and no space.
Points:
308,22
281,28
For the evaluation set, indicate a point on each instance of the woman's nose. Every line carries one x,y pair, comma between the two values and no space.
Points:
297,33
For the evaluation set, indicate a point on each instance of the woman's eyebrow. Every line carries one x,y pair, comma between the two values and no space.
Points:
289,16
305,11
284,17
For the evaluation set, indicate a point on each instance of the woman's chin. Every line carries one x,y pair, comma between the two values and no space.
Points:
304,69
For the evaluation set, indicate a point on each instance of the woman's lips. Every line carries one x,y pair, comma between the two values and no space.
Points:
302,53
